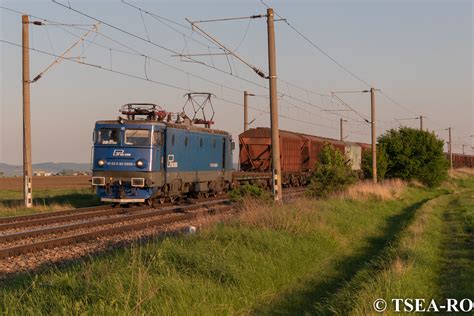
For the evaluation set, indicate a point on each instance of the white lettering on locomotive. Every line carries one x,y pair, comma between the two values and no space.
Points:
121,153
170,163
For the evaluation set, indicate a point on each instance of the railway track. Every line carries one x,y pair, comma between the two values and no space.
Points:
33,233
34,240
19,223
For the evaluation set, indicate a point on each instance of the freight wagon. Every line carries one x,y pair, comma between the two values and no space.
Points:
299,153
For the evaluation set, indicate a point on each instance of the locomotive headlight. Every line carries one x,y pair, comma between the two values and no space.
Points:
101,163
140,163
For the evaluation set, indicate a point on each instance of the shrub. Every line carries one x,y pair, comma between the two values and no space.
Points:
382,163
414,154
332,173
248,190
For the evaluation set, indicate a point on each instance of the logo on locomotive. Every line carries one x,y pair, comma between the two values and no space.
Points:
121,153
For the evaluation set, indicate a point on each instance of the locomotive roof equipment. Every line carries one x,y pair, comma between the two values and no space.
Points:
199,101
153,112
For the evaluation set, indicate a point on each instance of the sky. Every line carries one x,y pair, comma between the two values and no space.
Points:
419,53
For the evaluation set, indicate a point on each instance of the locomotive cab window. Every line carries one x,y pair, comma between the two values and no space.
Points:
108,136
137,137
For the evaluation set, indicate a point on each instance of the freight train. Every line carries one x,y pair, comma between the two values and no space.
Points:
461,160
299,153
154,156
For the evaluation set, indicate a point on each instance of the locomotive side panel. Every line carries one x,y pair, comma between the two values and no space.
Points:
197,161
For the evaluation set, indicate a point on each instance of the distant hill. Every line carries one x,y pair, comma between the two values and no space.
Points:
54,167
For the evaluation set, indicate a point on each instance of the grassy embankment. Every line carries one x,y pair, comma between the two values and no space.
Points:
330,256
45,200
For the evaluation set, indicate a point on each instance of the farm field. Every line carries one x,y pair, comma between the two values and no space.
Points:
333,256
56,182
49,194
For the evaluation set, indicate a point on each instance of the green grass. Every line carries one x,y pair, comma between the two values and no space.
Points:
11,201
432,258
318,257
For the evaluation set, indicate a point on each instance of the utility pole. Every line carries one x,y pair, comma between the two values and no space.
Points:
27,170
463,150
421,122
246,113
450,149
341,127
374,137
276,168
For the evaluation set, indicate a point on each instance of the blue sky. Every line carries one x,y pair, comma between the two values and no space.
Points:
418,52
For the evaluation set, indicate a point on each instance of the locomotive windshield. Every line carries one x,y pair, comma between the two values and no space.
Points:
137,137
108,136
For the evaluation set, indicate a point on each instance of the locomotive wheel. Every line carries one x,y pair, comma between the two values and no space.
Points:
173,198
149,202
206,195
162,200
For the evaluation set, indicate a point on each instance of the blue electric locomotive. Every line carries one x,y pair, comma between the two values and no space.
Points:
158,158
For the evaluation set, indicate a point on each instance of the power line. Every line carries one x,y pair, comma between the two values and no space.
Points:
257,70
96,66
170,50
313,44
187,73
161,19
157,45
51,22
207,38
397,103
320,49
146,79
138,53
363,117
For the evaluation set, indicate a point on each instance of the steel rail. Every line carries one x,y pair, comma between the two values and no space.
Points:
63,241
11,219
83,210
105,221
68,217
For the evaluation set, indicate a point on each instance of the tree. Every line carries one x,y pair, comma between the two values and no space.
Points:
332,173
66,172
382,163
414,154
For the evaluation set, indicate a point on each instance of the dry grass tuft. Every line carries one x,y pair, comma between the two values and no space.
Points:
417,184
386,190
13,209
399,265
297,217
461,173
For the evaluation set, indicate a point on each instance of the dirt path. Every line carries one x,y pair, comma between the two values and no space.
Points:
458,247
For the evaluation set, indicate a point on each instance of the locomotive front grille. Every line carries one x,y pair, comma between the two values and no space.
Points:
138,182
100,181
